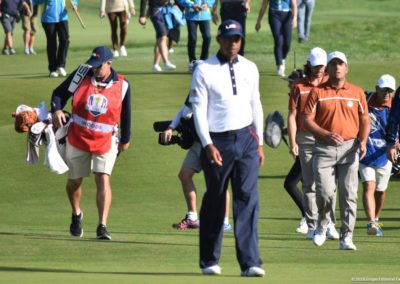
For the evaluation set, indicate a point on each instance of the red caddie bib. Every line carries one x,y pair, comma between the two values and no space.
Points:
95,113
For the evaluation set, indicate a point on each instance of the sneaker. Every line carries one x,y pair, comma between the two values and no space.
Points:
32,51
310,234
319,237
27,51
186,223
115,53
61,71
302,228
191,66
12,51
280,71
347,244
6,51
122,51
169,66
171,50
212,270
374,229
53,74
253,271
227,227
102,234
156,68
331,232
76,225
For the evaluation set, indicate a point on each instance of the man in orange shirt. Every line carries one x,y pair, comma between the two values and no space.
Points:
336,113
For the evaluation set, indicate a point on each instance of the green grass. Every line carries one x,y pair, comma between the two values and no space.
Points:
34,212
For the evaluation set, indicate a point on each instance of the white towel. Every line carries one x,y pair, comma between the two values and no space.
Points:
52,159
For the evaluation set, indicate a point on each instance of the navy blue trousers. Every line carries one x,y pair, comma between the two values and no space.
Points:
235,11
192,39
240,166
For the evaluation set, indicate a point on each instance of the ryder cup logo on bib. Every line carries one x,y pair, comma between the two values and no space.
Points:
97,104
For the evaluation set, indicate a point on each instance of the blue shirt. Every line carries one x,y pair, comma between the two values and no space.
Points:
280,5
376,144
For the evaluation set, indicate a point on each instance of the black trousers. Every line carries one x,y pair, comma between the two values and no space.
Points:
235,11
56,52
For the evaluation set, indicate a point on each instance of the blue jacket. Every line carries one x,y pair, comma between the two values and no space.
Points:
55,11
376,144
192,15
392,127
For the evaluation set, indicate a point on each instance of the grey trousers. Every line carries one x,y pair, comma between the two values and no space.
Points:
331,165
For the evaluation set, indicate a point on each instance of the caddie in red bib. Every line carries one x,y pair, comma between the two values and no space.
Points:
101,111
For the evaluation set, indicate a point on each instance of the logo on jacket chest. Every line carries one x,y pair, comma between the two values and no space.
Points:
97,104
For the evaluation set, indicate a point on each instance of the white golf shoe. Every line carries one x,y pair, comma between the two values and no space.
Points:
253,271
61,71
122,51
302,228
319,237
211,270
331,232
347,244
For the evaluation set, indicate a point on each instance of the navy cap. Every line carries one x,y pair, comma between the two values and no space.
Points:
99,55
230,28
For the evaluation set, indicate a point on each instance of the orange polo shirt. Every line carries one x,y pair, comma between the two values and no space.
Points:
338,110
298,99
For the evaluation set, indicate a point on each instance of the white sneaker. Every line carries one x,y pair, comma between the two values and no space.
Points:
331,232
61,71
53,74
319,237
191,66
211,270
302,228
171,50
122,51
32,51
281,70
347,244
310,234
253,271
156,68
169,66
115,53
27,51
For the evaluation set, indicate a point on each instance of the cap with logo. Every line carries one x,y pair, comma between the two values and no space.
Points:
99,55
338,55
387,81
317,57
230,28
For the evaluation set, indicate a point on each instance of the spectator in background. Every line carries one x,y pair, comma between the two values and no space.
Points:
282,17
9,13
29,26
118,11
305,9
157,16
235,10
198,14
375,168
55,25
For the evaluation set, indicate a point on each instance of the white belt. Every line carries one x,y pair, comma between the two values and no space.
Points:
91,125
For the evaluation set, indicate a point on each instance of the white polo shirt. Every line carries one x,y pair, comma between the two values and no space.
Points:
225,96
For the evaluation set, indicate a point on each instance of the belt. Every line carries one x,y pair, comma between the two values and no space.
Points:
230,133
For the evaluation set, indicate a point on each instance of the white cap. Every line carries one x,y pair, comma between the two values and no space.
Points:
387,81
317,57
338,55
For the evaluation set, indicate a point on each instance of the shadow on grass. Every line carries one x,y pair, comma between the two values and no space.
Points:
272,177
55,270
